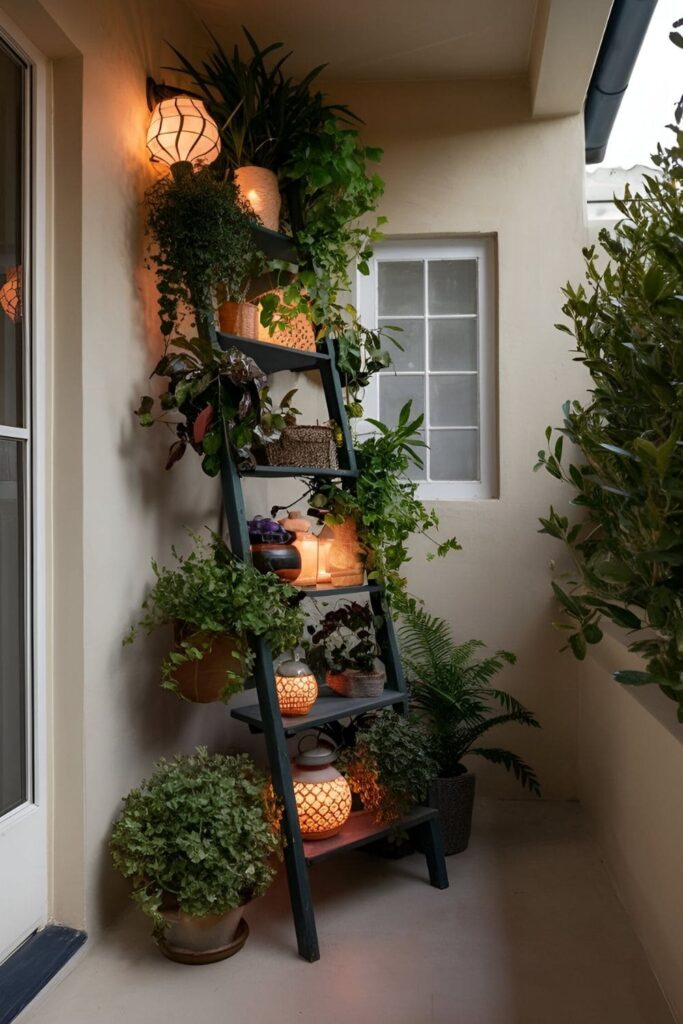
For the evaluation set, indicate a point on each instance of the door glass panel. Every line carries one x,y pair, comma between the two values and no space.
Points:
454,454
11,271
452,287
400,287
453,400
13,710
411,355
453,344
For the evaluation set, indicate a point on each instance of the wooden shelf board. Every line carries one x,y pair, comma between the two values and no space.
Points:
273,358
294,471
329,707
274,245
325,591
359,830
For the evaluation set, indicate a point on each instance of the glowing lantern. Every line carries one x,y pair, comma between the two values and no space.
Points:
10,295
306,544
182,132
296,686
323,797
260,188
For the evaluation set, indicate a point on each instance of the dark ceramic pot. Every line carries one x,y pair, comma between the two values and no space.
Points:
282,559
454,800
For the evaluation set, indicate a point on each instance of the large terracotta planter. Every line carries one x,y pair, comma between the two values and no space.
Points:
205,939
203,682
259,187
239,318
454,799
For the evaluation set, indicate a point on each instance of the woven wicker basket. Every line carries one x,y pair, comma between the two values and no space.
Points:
353,683
304,446
297,334
259,187
240,319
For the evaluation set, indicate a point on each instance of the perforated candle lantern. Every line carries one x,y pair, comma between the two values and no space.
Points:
296,687
323,797
181,131
10,295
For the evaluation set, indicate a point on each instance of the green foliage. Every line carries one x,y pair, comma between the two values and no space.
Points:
345,638
385,504
215,594
390,766
628,479
202,239
262,116
200,833
224,399
456,698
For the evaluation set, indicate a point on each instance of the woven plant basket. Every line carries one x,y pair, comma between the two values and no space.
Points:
304,446
239,318
259,187
297,334
353,683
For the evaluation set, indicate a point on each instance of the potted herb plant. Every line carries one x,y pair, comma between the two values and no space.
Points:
457,702
385,505
202,243
214,601
390,765
197,841
344,646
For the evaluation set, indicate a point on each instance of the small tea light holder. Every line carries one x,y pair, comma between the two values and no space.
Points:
296,687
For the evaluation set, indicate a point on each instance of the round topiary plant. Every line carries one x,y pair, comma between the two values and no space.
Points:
199,835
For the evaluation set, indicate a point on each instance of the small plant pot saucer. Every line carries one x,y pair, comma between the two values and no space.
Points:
208,956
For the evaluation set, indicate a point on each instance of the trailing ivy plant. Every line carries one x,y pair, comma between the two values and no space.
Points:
627,478
385,503
201,240
390,765
456,698
223,399
199,835
212,593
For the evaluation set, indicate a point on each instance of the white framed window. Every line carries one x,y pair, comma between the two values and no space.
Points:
441,293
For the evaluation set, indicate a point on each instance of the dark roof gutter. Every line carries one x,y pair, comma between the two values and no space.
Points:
626,28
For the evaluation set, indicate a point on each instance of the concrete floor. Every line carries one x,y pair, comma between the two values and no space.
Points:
530,932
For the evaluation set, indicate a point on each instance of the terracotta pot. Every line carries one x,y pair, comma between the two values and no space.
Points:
203,682
239,318
259,187
454,799
282,559
193,939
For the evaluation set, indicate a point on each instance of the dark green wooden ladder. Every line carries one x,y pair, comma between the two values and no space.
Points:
265,717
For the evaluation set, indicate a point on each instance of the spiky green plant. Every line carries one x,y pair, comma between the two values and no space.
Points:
454,693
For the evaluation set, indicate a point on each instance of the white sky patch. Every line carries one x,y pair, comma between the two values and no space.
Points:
655,86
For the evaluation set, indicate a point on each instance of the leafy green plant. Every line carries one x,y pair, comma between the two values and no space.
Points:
345,638
215,594
627,479
385,503
390,766
199,834
224,400
456,699
201,239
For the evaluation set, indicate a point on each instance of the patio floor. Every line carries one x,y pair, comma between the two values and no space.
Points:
530,932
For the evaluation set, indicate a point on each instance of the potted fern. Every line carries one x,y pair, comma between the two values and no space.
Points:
197,840
454,693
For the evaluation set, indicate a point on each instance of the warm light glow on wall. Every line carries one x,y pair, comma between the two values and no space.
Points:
181,131
10,295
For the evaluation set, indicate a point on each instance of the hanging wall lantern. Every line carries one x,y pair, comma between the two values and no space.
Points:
296,687
323,797
10,295
181,131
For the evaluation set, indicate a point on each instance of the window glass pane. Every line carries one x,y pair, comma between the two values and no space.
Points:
394,392
453,401
400,288
11,205
411,340
13,731
452,286
453,344
454,454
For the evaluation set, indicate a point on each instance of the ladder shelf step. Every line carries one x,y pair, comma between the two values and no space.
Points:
322,591
274,245
359,830
296,471
329,707
273,358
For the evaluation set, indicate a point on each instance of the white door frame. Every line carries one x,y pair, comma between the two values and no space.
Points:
23,832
